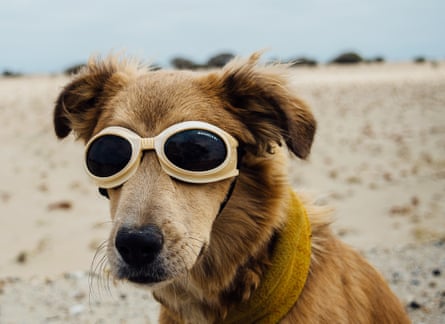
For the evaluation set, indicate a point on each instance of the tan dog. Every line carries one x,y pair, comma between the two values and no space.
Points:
233,250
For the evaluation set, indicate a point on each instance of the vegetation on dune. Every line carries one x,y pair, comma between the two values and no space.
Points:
347,58
419,59
215,61
11,74
73,69
221,59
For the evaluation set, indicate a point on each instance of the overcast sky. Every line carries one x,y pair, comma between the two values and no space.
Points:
39,36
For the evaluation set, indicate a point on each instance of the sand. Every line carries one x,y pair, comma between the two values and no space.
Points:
378,159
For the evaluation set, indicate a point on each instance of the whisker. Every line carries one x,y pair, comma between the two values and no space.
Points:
97,271
195,239
192,246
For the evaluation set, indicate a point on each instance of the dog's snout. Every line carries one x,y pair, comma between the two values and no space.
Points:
139,246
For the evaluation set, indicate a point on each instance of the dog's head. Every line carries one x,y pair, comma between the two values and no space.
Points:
165,228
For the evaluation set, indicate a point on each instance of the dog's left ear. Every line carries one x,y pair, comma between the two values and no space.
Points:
262,99
82,101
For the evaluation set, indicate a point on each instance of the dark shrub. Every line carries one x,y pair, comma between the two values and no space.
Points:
302,61
219,60
183,64
73,69
419,59
11,74
378,59
347,58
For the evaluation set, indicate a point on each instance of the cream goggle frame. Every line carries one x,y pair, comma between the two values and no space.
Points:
191,151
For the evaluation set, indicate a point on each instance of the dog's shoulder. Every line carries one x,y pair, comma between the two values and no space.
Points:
340,276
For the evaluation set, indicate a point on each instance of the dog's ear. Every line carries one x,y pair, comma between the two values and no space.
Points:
81,102
260,96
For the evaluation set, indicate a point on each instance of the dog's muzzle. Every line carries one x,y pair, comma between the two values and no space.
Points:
139,249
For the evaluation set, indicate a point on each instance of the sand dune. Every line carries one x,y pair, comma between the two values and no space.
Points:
378,160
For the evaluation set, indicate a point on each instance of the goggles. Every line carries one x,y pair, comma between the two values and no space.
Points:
191,151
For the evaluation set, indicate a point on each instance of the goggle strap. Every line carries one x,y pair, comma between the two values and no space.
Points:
104,192
228,195
240,152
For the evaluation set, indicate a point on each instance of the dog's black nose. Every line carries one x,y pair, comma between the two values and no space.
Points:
139,246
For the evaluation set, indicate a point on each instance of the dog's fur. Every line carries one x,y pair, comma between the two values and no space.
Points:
211,261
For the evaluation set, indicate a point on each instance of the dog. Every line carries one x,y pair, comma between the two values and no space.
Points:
194,164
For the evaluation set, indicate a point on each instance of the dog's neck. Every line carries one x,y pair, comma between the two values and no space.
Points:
262,291
286,276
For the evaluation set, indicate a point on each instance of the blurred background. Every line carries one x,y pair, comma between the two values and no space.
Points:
48,36
378,158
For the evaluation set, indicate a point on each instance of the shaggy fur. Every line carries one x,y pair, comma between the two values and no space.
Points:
212,260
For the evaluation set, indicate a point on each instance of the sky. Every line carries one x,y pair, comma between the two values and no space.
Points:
47,36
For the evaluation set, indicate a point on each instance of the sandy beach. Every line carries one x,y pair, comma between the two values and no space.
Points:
378,159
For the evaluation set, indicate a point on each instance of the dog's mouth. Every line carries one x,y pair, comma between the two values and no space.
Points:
146,276
151,275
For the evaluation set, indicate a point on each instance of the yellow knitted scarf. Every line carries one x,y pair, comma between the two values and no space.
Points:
286,276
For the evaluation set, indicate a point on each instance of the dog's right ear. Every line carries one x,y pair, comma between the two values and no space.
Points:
262,98
82,101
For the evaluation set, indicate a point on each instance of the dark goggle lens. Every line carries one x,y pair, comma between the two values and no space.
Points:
108,155
195,150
